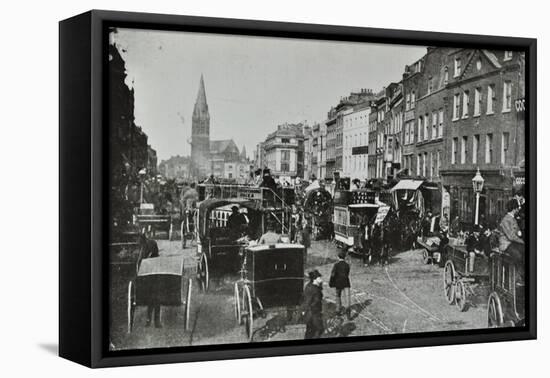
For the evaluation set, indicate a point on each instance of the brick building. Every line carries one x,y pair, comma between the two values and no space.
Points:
485,130
424,84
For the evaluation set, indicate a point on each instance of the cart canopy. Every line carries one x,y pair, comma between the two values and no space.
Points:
162,265
407,185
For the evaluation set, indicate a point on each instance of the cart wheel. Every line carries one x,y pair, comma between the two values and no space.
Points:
187,300
460,296
248,313
131,305
202,272
237,300
449,282
495,318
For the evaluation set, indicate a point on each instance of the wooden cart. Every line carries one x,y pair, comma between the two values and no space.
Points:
272,280
160,281
506,304
458,281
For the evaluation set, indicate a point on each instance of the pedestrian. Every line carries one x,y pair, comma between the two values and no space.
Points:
472,247
455,227
330,231
149,250
312,309
365,241
339,280
510,240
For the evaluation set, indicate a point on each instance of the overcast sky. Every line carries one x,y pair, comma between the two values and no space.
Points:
252,83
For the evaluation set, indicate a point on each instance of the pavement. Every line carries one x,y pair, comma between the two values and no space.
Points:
405,296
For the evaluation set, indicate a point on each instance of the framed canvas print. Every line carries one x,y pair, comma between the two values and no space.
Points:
234,188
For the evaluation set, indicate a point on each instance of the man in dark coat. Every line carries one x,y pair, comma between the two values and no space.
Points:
268,181
313,306
339,280
150,249
236,222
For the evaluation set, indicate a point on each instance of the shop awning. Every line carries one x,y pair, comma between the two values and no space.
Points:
407,185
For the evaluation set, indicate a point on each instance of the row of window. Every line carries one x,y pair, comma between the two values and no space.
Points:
466,156
359,139
410,98
429,127
355,163
461,101
428,164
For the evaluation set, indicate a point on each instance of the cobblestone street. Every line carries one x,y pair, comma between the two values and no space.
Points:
404,296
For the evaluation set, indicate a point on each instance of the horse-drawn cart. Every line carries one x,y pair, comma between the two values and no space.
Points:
506,304
459,279
272,279
160,281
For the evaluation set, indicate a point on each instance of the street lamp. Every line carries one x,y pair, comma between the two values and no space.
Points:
142,172
477,183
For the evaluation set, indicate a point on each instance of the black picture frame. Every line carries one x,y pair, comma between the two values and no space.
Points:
82,230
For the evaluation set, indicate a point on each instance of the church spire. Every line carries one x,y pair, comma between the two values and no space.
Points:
201,106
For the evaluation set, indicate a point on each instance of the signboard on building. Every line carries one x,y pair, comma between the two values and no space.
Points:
408,116
360,150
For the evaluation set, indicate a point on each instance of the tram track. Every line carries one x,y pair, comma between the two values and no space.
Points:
423,310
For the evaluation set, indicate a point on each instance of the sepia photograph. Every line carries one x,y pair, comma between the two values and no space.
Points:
265,189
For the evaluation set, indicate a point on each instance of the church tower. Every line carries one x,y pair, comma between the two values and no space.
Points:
200,135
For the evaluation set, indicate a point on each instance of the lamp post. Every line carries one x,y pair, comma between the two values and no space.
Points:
142,172
477,183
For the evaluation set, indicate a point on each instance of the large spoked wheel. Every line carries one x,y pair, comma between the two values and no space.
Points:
131,305
247,313
495,317
186,300
460,296
237,303
449,282
202,272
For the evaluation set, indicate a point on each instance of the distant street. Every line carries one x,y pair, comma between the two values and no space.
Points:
405,296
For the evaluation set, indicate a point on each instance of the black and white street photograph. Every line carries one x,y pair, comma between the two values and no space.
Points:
266,189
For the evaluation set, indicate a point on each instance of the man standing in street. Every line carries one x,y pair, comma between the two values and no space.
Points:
189,201
339,280
510,241
149,250
313,306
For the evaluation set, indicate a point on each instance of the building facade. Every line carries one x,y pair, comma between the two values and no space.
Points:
393,125
356,141
372,137
176,167
486,130
425,84
284,151
330,159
